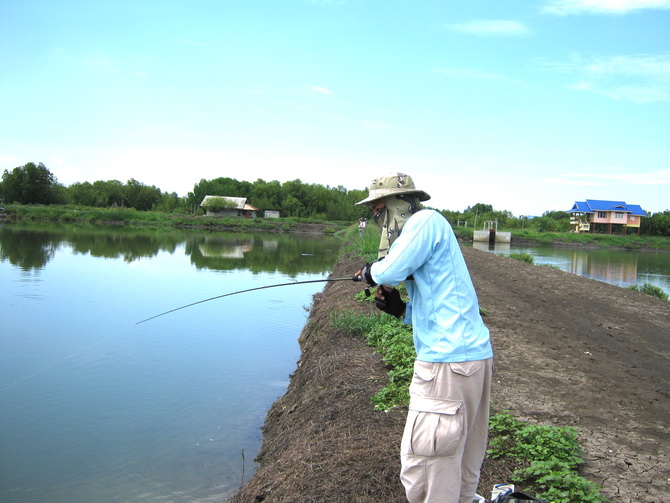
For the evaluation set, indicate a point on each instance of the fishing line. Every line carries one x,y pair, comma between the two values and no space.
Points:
355,278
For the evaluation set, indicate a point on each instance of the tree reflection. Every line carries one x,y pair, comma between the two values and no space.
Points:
32,247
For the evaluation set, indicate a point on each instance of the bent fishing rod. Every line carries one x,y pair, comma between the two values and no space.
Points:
354,278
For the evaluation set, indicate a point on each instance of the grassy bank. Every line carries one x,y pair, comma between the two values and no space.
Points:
155,219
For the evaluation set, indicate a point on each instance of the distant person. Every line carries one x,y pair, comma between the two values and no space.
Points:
362,224
445,435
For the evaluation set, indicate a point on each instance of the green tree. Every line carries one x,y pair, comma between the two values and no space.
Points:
81,193
171,202
479,209
266,195
109,193
29,184
292,207
553,221
657,224
140,196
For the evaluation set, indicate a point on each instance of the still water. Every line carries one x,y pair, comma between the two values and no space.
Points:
621,268
96,408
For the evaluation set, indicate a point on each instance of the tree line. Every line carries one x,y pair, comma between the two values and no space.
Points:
35,184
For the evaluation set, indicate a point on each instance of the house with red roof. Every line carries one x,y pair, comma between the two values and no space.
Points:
594,215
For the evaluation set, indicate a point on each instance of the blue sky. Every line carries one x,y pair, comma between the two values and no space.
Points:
526,105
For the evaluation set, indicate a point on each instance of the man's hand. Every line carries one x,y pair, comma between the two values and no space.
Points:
364,275
388,300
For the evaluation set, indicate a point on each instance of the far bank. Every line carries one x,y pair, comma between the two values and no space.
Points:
158,220
155,219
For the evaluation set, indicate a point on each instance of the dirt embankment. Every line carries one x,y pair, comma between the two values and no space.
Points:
569,351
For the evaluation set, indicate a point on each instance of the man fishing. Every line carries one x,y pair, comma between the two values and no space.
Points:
445,435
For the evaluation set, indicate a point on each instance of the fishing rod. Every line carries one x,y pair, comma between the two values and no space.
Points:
354,278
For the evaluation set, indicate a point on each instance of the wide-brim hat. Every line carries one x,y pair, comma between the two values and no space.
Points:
393,184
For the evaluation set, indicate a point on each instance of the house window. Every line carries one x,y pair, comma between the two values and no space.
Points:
618,214
602,214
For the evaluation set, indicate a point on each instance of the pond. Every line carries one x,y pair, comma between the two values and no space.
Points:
617,267
95,407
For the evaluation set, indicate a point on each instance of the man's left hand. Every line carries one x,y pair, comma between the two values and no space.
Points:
365,275
388,300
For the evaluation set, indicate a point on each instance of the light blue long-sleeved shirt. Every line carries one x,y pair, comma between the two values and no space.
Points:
443,308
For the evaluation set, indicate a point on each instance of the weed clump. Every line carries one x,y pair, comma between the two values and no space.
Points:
650,289
522,257
547,459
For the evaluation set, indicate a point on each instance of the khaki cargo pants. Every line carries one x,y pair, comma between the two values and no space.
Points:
445,436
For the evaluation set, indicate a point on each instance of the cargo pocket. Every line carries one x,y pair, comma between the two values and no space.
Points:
466,368
433,427
424,371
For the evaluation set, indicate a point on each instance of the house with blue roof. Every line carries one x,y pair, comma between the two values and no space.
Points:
594,215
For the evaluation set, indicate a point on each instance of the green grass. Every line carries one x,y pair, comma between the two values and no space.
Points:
67,214
650,289
365,246
522,257
547,459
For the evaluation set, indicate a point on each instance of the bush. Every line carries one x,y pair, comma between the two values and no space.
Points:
650,289
547,459
523,257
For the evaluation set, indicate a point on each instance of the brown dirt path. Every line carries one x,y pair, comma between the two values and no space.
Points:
577,352
569,351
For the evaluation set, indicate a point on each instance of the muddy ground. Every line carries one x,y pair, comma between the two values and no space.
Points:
569,351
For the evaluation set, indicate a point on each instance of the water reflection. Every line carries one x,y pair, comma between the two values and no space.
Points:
32,248
619,271
502,248
617,267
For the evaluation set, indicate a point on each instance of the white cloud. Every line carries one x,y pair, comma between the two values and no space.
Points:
484,27
582,86
636,78
638,65
321,90
637,94
567,7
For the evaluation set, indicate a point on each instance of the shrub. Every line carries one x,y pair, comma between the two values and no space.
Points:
650,289
547,458
523,257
